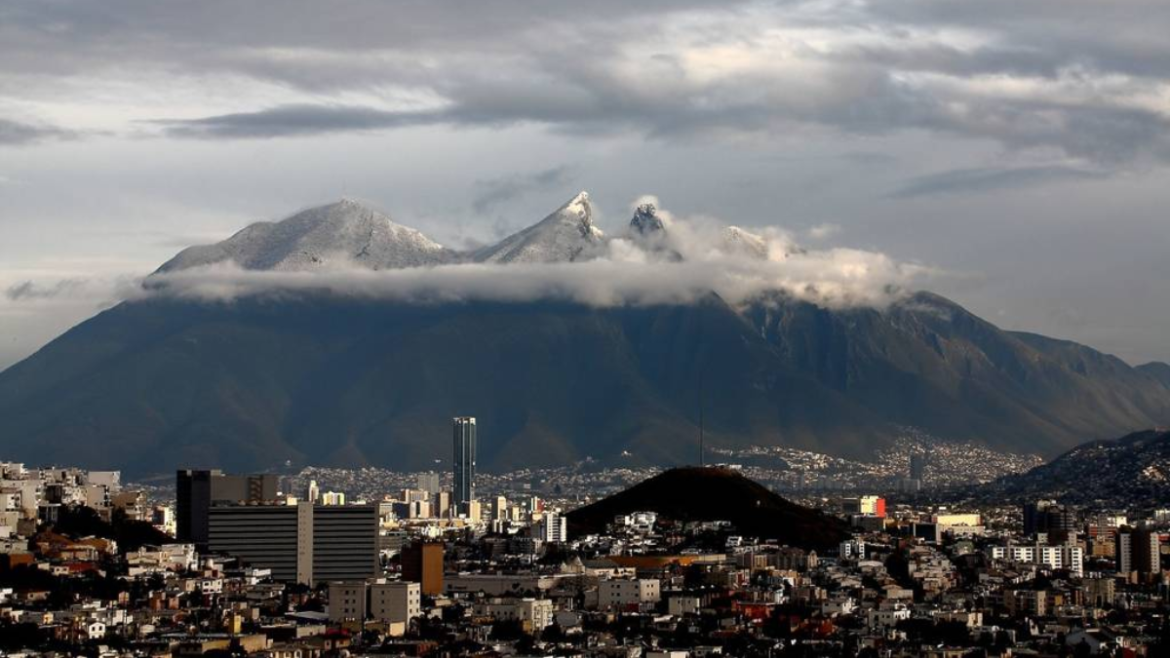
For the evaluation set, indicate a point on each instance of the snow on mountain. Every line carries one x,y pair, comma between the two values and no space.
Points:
564,236
345,232
738,241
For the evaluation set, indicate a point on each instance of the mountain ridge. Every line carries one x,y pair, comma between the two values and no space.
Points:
314,378
1121,472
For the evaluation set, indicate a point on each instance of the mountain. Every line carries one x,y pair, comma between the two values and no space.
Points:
564,236
715,494
162,382
343,233
1157,370
738,241
646,222
1122,473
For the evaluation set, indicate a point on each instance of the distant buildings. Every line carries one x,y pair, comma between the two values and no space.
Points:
917,466
463,462
429,482
916,474
865,505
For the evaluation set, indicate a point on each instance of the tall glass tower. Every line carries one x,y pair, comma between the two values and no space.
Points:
464,462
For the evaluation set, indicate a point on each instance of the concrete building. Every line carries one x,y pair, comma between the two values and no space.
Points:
620,594
348,601
422,563
428,482
554,527
866,505
1070,558
1138,550
300,543
395,602
534,615
196,491
392,602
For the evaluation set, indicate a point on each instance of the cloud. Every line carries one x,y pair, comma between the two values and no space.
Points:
294,121
698,258
498,191
969,181
1076,77
16,133
823,231
27,290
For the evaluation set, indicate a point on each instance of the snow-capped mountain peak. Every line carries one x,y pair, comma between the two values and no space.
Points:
346,233
738,241
564,236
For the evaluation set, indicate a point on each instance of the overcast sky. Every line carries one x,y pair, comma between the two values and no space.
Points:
1019,147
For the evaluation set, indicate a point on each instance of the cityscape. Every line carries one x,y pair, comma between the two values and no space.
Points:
564,329
453,562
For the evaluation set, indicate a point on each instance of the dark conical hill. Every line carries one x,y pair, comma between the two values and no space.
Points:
716,494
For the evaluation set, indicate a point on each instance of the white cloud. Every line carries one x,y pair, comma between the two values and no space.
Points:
620,273
823,231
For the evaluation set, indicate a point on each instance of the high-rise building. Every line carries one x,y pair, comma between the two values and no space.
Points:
300,543
1047,516
1137,550
196,491
429,482
463,462
917,466
313,494
554,528
423,563
442,506
500,509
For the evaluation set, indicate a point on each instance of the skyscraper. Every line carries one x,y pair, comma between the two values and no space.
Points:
463,462
917,466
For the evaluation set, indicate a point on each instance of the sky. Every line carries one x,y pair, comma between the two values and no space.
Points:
1017,150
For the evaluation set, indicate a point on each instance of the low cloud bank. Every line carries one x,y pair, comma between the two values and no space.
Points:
690,260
